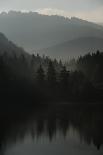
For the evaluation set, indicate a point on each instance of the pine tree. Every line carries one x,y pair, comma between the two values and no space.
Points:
40,75
51,74
64,81
64,76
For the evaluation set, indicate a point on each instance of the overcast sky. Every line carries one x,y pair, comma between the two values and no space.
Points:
87,9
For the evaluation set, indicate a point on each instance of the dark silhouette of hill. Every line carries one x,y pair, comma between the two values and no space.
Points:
33,31
74,48
9,47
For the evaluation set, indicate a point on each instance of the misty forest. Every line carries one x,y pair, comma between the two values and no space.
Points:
51,85
25,76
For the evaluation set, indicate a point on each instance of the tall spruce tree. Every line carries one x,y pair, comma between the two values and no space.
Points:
64,76
40,76
64,81
51,75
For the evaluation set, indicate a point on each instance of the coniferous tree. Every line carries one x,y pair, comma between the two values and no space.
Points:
51,75
32,60
64,80
40,75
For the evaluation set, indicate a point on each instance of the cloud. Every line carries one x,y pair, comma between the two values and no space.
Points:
86,9
98,1
50,11
92,15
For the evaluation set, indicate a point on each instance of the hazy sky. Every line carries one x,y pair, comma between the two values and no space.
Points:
86,9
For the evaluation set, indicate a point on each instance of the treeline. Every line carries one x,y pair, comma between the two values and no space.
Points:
63,85
39,78
92,67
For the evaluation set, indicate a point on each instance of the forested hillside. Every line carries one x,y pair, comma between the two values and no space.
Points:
34,77
91,65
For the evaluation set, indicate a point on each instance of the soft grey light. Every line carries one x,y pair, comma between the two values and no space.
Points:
87,9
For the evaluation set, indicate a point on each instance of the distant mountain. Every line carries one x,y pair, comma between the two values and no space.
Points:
100,24
22,62
9,47
74,48
33,31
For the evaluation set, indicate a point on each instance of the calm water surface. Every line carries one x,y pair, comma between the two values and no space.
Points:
53,130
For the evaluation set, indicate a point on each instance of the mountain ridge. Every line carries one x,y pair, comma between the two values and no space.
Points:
34,31
74,48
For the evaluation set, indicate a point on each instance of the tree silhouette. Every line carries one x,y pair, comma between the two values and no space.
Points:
64,81
40,75
51,75
25,74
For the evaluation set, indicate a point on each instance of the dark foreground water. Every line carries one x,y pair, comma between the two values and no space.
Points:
52,130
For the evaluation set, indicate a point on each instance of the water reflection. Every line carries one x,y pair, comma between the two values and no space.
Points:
86,121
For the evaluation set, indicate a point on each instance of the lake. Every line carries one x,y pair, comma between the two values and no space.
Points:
52,130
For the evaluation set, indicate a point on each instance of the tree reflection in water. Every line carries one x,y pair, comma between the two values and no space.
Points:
87,121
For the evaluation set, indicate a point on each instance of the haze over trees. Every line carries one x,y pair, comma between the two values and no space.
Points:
74,48
34,77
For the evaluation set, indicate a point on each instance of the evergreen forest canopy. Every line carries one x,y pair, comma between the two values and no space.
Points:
32,77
